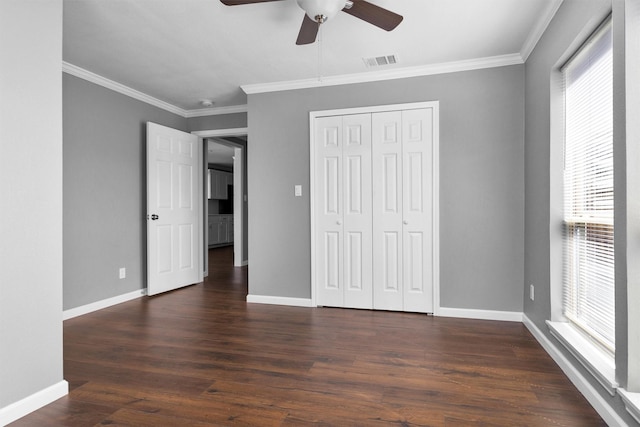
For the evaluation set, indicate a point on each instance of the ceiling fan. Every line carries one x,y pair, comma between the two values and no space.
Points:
319,11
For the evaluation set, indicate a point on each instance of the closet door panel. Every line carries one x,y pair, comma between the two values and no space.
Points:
391,264
417,127
414,260
357,211
332,255
329,268
387,210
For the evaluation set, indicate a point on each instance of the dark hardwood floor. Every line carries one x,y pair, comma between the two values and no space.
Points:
202,356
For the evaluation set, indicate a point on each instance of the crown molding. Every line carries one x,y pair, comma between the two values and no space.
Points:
89,76
400,73
120,88
539,28
232,109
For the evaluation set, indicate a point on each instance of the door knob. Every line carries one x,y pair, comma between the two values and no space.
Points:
339,222
154,217
405,222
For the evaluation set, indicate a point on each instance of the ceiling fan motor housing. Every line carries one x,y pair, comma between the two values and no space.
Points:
321,10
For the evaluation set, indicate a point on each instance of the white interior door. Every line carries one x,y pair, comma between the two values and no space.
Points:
173,209
329,200
343,198
417,210
387,211
403,210
356,154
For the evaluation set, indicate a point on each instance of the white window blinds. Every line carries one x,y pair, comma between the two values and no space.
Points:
588,190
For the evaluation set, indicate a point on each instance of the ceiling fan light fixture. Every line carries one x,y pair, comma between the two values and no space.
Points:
321,10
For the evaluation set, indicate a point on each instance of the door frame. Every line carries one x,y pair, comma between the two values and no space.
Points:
238,196
435,105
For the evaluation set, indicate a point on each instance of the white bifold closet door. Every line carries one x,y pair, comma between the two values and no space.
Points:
373,210
402,210
343,195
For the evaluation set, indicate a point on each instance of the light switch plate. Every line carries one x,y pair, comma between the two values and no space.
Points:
298,190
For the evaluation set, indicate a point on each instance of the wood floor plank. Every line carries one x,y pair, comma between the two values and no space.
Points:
312,406
203,356
145,379
188,408
132,418
68,412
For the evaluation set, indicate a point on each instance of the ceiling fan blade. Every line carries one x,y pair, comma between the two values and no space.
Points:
308,31
241,2
381,18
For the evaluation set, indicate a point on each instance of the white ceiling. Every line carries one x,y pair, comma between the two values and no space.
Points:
219,153
183,51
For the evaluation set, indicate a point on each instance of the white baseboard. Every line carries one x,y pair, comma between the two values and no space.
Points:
443,311
465,313
602,407
265,299
99,305
31,403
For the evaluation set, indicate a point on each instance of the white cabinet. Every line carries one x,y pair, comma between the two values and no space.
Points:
223,230
221,185
215,224
218,182
220,229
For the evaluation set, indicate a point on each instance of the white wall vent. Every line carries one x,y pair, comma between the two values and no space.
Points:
377,61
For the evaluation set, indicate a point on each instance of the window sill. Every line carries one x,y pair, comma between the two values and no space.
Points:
596,361
631,403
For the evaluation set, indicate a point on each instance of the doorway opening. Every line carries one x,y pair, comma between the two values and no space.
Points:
225,195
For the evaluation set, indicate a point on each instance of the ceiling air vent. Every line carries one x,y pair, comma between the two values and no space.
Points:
377,61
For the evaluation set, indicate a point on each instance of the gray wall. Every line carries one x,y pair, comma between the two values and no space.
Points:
481,182
31,194
574,21
221,121
105,190
105,187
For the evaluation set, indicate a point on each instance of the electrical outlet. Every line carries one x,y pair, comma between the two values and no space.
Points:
122,272
532,292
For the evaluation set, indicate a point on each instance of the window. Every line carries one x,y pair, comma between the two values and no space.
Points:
588,266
